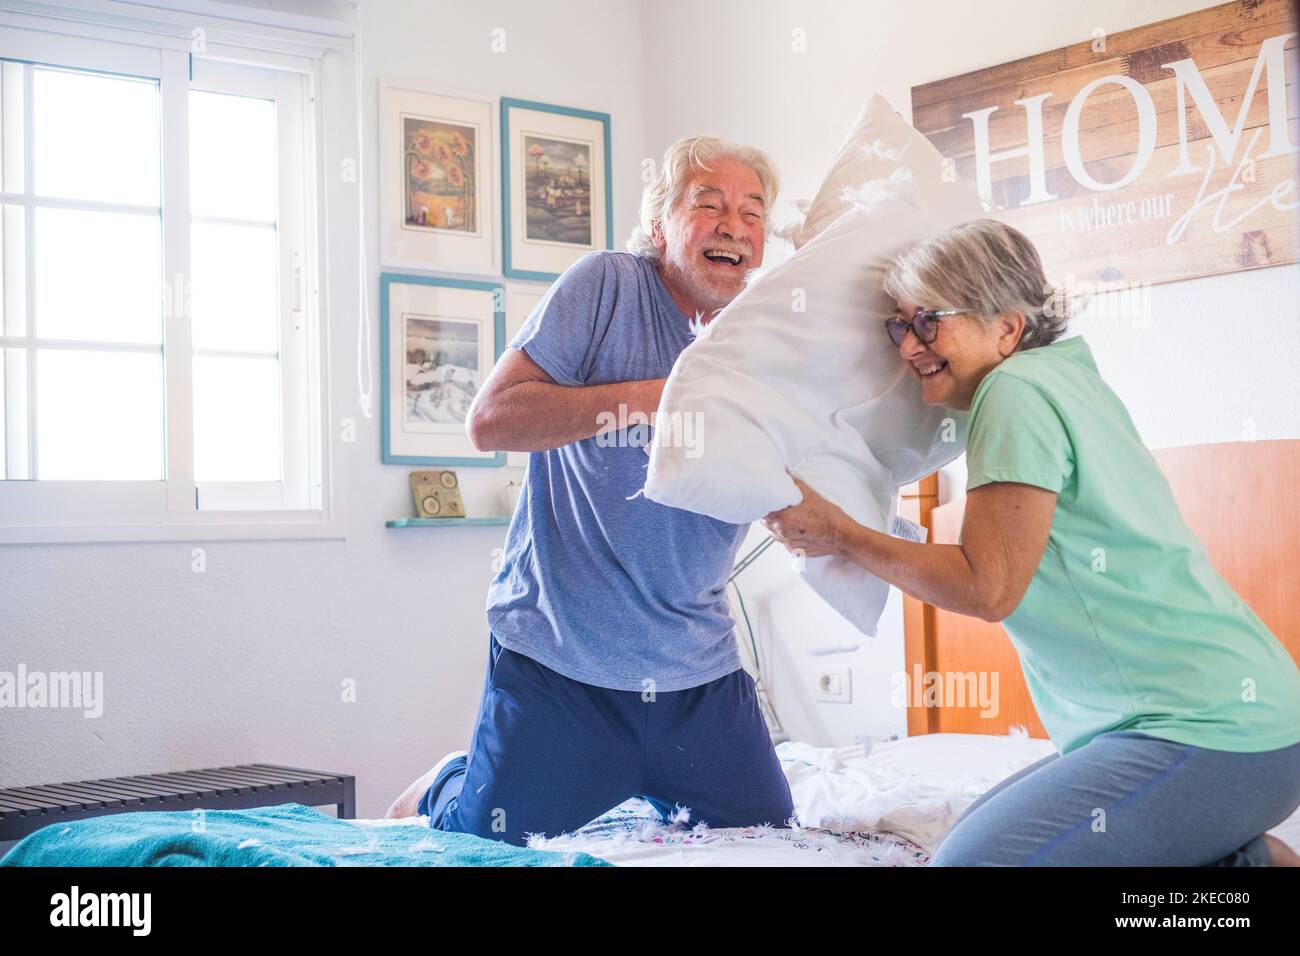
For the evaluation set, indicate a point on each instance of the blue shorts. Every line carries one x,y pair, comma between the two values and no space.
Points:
550,754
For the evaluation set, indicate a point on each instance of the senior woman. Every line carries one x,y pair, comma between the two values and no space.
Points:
1175,712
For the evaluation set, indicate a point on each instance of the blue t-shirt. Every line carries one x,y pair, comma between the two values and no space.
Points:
599,584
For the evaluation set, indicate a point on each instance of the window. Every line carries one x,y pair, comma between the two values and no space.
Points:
159,353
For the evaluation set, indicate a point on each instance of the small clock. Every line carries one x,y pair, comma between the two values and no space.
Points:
437,494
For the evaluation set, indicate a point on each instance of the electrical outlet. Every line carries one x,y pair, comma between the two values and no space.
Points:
834,687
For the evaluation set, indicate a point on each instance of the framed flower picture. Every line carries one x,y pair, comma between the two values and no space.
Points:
439,338
555,187
439,169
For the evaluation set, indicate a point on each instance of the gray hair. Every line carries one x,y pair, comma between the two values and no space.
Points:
683,157
984,267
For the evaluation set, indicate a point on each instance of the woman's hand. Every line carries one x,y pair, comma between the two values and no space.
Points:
814,526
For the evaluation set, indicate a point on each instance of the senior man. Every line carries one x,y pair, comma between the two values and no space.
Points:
613,669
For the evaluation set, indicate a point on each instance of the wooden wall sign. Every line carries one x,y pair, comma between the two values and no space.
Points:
1160,153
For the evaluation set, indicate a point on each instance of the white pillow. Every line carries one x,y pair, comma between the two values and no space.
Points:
821,391
871,151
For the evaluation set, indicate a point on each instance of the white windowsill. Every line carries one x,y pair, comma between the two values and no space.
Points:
216,527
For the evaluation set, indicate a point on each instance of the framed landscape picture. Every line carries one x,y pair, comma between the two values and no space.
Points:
439,338
555,187
439,170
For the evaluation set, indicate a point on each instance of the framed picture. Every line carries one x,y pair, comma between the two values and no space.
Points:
439,338
439,169
555,187
520,302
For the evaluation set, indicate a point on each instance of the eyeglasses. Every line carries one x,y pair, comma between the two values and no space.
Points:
924,322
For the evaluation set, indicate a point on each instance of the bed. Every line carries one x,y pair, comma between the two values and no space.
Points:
889,805
886,807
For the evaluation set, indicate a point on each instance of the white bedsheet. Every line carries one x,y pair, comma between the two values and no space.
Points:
916,787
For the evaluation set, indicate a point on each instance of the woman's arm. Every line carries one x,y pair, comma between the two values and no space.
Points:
1003,536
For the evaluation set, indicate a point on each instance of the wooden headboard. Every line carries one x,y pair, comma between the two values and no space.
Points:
1239,497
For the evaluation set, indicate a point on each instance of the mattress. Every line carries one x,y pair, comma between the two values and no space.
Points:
632,834
882,806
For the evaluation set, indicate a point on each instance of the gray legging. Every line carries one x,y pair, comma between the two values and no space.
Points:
1129,799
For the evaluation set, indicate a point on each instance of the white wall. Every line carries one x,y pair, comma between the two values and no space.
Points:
1187,377
245,662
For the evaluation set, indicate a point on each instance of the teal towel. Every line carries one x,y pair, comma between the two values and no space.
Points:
286,835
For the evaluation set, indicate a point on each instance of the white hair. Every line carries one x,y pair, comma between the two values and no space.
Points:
984,267
682,158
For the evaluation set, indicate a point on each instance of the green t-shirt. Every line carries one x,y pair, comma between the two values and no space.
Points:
1125,625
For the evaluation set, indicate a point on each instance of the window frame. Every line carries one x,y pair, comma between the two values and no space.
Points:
176,507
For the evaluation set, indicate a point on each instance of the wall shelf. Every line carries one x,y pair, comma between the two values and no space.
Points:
443,522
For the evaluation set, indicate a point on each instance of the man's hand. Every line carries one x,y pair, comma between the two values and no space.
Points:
521,408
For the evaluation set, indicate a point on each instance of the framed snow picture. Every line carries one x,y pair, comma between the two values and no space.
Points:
439,338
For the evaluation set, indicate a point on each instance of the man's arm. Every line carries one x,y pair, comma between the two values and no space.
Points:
521,408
